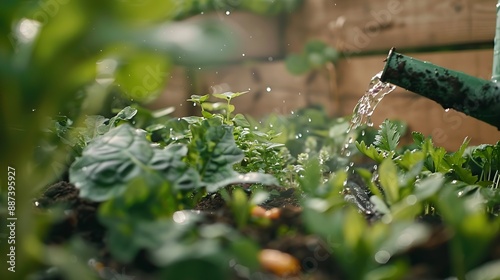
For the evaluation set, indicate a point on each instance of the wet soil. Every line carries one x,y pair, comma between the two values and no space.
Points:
429,260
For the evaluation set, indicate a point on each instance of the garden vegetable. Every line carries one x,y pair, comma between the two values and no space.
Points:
281,264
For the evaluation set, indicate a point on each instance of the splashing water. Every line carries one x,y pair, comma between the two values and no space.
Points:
362,115
365,107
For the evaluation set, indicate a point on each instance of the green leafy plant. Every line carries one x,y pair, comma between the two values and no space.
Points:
122,154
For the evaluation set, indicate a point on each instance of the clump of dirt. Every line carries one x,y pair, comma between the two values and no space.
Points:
80,217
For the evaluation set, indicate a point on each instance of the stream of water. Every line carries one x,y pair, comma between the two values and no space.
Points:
366,105
362,116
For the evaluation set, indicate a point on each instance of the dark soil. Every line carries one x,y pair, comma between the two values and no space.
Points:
429,260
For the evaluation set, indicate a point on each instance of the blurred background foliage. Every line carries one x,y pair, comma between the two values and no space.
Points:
62,58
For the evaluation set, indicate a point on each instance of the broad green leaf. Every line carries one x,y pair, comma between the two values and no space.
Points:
240,120
110,161
388,136
473,229
428,186
388,176
409,159
213,152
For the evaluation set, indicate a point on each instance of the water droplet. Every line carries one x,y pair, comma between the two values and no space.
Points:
268,89
309,120
382,256
33,110
447,109
242,54
179,217
270,58
411,199
228,13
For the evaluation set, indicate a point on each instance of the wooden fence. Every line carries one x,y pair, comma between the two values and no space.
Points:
364,31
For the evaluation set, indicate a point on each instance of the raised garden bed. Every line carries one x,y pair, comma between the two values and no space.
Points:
225,197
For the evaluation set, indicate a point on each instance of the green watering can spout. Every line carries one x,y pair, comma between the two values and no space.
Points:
473,96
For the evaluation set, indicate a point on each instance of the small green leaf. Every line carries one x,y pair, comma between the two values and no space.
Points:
372,152
388,136
418,138
228,95
199,98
